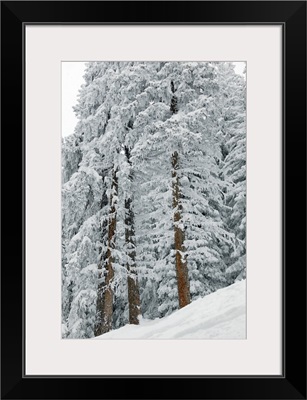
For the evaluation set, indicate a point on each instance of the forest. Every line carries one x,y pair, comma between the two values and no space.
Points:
153,192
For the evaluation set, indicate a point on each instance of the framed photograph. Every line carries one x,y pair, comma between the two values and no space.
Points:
158,151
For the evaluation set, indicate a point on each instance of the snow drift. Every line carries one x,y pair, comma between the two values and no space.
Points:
220,315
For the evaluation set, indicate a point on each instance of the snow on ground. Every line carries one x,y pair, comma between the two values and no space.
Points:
220,315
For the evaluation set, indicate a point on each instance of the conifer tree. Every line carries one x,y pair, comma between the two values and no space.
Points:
232,108
180,261
132,278
108,300
191,133
153,203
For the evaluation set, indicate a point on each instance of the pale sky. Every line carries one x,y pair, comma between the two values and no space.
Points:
72,79
72,73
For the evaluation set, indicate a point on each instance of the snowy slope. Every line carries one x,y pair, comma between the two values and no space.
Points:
220,315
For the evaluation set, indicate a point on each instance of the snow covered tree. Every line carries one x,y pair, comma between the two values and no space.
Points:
133,289
180,131
80,230
232,108
153,203
108,301
180,261
84,205
105,121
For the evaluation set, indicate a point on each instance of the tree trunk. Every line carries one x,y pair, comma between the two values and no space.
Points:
180,262
99,325
133,287
100,303
109,273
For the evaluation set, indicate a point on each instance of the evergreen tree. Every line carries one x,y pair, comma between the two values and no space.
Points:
153,200
233,128
186,127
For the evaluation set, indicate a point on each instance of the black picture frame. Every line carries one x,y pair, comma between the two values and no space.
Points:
14,16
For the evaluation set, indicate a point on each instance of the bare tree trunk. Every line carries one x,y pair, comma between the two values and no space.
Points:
133,287
107,302
181,264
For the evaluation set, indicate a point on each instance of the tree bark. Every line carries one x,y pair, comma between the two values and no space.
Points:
99,325
132,281
133,289
101,270
180,261
107,302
